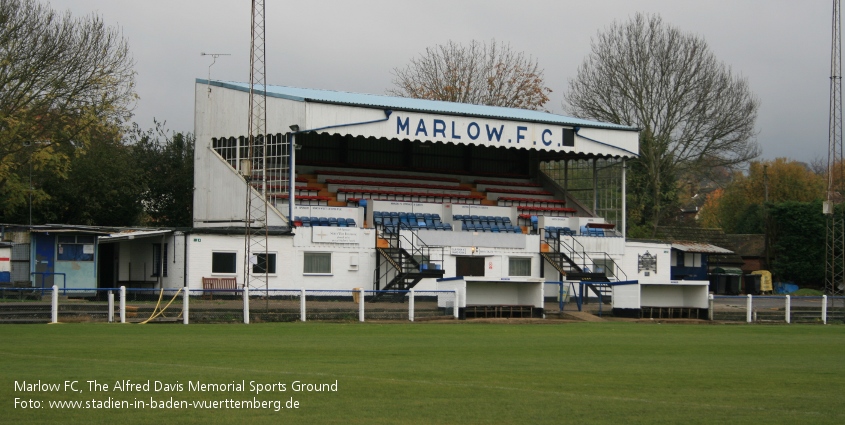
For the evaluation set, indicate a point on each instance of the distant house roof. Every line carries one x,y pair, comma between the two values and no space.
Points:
699,235
418,105
699,247
749,245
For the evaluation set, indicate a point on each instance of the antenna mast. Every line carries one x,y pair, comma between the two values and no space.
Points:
835,242
253,166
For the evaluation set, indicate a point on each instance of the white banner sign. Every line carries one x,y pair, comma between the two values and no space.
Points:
334,234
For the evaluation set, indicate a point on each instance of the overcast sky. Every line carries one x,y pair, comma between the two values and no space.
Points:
781,47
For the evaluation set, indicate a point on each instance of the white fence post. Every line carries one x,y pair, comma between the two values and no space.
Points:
111,307
186,296
361,304
457,303
246,304
748,308
711,304
824,309
411,305
302,305
55,304
122,304
788,309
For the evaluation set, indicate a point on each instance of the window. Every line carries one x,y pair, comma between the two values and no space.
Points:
519,266
317,263
76,248
160,259
264,262
469,266
224,262
692,259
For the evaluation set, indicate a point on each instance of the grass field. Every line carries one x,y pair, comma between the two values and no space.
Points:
436,373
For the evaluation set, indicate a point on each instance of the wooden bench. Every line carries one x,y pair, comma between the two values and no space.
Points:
212,284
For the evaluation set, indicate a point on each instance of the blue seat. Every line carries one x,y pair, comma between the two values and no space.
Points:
306,221
446,226
377,218
341,222
350,222
458,217
464,226
485,228
494,228
324,222
435,218
506,220
332,221
475,220
471,227
534,222
422,224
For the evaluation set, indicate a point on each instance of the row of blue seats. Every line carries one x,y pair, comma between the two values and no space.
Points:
325,221
391,227
482,219
554,232
394,218
494,228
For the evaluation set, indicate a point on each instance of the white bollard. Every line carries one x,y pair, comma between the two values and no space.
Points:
411,305
361,305
710,304
186,296
55,303
748,309
246,304
302,305
122,304
111,307
788,309
824,309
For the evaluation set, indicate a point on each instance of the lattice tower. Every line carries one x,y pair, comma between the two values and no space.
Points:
835,240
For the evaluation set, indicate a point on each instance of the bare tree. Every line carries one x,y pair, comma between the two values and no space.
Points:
481,73
695,113
60,77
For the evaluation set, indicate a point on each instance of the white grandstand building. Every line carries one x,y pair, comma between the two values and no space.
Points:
509,207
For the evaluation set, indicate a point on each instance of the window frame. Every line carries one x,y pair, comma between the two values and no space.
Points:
274,256
518,259
235,272
317,273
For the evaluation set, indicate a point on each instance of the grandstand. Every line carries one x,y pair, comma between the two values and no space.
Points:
384,193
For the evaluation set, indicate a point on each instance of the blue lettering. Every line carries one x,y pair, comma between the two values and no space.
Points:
477,131
421,128
545,132
439,127
519,130
492,132
402,125
454,135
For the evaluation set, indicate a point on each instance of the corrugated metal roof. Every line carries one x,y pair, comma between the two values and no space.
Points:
699,247
418,105
133,234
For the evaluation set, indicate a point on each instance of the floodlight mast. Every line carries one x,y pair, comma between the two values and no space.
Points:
256,227
835,240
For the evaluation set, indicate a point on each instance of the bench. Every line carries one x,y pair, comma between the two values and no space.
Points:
213,284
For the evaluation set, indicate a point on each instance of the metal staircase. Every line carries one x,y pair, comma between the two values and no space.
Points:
571,260
404,260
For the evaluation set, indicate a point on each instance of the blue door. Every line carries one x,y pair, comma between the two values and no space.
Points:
45,260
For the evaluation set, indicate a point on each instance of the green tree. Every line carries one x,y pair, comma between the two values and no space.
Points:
739,207
103,186
480,73
696,115
167,170
63,82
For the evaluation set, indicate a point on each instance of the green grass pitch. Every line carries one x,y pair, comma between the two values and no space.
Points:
463,373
